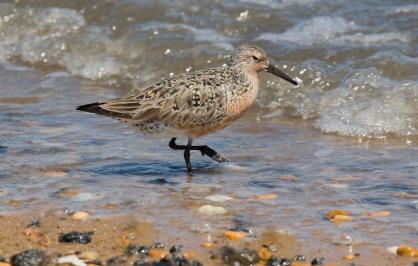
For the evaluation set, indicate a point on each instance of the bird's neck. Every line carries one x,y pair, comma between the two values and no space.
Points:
248,80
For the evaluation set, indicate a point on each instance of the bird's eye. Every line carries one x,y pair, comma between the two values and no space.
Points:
256,58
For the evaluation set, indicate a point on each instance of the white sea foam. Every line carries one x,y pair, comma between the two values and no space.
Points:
313,31
61,37
58,36
363,104
375,38
334,31
413,8
197,34
280,4
370,105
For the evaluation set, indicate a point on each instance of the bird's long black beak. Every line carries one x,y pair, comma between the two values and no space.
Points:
275,71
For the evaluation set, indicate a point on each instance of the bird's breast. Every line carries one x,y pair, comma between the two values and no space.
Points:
241,97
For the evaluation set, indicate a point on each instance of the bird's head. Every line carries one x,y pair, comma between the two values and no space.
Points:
254,59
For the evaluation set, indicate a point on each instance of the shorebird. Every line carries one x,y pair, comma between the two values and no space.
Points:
196,103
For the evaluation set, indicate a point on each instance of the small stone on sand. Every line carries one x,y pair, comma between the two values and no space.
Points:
80,216
392,250
331,214
88,255
264,253
68,192
188,255
72,259
376,214
208,244
219,198
407,251
341,218
212,210
337,185
233,235
300,263
289,178
157,253
263,197
55,173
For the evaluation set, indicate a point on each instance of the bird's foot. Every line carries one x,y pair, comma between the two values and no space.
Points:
205,150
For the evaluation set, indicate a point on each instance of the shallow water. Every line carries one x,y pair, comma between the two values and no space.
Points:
359,71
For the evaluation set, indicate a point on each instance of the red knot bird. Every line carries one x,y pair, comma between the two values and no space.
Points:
196,103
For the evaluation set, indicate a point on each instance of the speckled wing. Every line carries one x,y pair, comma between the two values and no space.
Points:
191,100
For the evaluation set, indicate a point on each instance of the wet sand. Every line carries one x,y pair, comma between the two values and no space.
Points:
112,235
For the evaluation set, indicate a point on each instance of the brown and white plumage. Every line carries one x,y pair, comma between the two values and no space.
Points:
197,103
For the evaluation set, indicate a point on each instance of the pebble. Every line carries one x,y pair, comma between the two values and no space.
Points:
392,250
75,237
338,216
317,261
299,258
300,263
157,245
80,216
212,210
241,228
234,235
68,192
134,250
233,256
188,255
219,198
88,255
55,173
157,253
116,261
289,178
341,218
331,214
337,185
376,214
110,206
348,257
264,253
273,261
407,251
176,249
72,259
34,223
208,244
271,247
30,257
263,197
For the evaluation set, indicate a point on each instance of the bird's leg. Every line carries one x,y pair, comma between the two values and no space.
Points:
186,149
187,156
